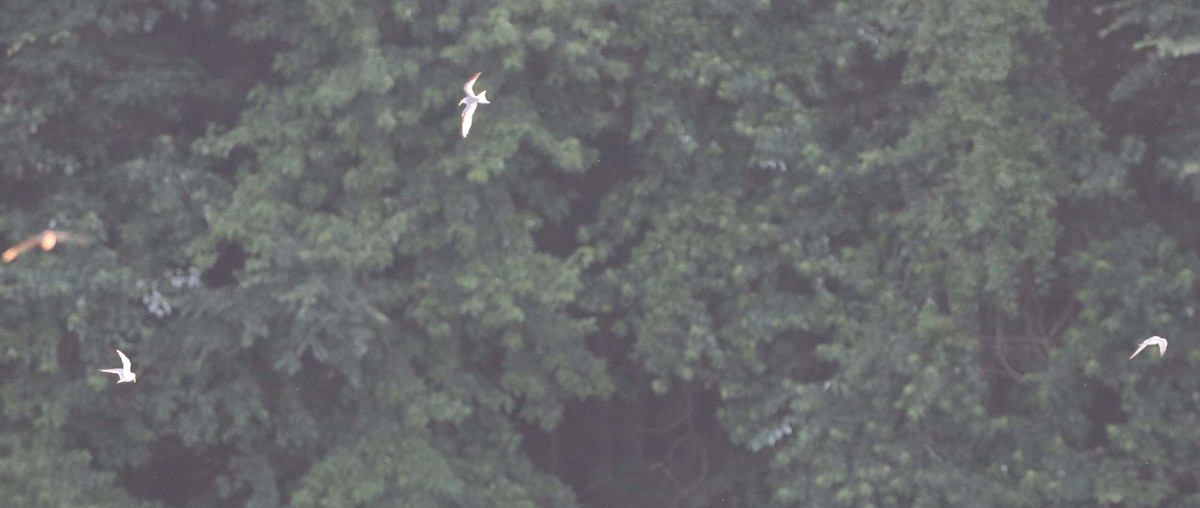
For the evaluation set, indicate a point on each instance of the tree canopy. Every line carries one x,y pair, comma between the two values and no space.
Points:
698,254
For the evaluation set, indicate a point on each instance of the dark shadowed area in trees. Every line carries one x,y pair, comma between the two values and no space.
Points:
711,253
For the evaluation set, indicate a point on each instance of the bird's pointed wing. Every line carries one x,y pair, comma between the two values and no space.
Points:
1139,350
124,359
17,249
470,86
467,113
112,371
71,238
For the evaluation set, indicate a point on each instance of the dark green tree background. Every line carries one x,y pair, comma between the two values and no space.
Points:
712,253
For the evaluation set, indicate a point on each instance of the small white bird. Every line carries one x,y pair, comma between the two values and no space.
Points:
124,375
1152,341
471,101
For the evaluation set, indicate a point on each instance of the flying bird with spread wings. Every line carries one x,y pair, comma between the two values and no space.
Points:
471,101
124,374
1152,341
46,240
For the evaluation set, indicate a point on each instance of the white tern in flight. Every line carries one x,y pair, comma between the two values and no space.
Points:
1152,341
124,375
471,101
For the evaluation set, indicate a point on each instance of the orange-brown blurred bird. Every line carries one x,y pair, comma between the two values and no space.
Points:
46,240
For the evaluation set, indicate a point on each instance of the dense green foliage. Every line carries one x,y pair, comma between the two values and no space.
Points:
712,253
